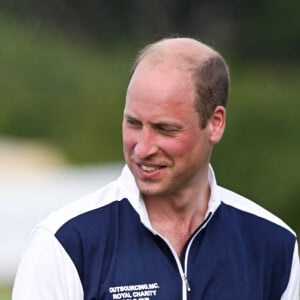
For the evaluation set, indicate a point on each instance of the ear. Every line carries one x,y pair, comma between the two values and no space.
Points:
217,124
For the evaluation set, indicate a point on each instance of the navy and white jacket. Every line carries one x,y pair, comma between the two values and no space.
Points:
104,247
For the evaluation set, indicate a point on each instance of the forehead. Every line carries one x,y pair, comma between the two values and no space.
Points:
160,90
161,78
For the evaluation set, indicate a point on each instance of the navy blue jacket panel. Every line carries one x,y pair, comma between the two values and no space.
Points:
125,253
236,256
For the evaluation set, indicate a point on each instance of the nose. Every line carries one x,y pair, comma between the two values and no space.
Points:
145,144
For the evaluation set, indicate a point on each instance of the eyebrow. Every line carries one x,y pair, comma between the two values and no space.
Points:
161,123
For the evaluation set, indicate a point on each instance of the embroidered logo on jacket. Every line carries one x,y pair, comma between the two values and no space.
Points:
145,291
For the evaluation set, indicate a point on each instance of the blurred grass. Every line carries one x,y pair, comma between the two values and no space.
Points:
68,92
5,292
259,156
71,93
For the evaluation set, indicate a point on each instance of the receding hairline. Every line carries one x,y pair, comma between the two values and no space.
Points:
181,52
209,72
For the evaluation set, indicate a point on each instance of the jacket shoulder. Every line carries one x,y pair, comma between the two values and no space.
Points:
249,206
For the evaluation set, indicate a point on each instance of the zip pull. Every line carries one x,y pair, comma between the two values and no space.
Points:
187,284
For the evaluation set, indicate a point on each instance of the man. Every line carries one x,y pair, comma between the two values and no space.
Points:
164,230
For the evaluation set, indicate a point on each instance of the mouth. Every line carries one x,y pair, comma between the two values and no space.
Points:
149,168
148,172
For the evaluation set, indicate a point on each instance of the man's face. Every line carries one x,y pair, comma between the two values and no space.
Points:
163,144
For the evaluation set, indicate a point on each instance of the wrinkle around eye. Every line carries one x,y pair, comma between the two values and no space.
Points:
168,131
133,123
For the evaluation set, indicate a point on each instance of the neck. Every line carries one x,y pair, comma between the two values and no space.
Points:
176,217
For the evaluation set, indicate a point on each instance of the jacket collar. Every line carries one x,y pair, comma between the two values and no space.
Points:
130,191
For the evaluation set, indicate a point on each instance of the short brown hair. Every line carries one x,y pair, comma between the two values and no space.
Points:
211,81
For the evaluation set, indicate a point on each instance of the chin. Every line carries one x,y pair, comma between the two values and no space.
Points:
149,189
154,191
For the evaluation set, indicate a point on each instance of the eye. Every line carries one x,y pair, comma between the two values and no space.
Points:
133,122
167,130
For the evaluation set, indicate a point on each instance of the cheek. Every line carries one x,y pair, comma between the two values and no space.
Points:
175,147
128,139
189,146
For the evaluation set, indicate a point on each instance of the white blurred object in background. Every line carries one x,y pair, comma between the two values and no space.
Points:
34,181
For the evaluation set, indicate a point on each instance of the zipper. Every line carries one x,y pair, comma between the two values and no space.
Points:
187,284
186,288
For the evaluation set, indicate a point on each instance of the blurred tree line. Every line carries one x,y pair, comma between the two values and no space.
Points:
65,67
252,29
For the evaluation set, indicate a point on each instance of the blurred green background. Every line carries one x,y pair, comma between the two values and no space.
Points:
65,67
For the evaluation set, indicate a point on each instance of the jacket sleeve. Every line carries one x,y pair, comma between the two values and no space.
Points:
46,271
292,290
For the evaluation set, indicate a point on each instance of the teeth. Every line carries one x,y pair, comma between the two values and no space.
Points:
149,169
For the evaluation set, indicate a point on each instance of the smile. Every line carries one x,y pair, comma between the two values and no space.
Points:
148,168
